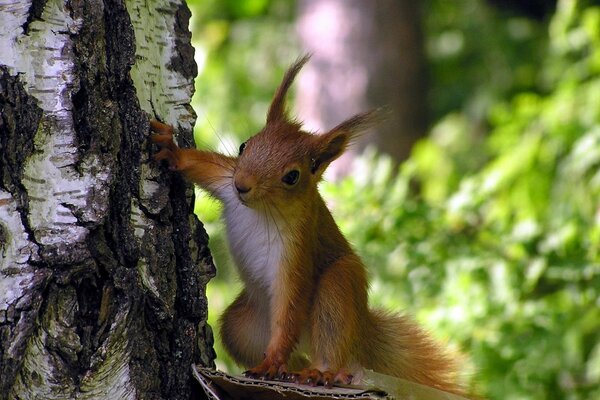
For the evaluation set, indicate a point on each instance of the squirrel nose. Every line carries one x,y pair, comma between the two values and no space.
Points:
242,188
244,182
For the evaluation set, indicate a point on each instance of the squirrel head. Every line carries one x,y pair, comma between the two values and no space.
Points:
282,164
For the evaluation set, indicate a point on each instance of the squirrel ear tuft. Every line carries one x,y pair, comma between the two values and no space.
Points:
332,144
277,108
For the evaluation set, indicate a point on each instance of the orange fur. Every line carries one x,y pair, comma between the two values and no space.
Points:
302,280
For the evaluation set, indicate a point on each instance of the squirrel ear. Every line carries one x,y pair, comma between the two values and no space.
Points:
277,109
332,144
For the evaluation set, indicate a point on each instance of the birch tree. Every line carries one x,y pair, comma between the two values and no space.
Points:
103,266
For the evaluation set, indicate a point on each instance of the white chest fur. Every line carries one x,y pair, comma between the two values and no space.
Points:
256,243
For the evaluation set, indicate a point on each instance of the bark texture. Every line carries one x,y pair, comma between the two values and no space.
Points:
366,54
103,266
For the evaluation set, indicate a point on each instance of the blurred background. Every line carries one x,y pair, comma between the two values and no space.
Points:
476,205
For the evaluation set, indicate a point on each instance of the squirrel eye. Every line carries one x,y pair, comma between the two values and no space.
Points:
291,178
242,147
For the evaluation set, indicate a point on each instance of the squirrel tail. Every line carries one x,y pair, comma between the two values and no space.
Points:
397,346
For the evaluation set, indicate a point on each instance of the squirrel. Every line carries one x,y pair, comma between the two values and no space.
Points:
305,288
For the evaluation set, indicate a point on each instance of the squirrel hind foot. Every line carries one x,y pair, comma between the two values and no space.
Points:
316,377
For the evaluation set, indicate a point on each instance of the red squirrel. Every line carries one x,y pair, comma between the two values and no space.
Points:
305,289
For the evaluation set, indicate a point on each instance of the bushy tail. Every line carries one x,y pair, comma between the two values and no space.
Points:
397,346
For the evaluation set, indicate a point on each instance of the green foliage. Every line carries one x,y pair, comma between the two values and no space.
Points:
499,250
243,48
479,54
490,233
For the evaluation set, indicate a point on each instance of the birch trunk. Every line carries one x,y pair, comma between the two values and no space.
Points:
103,266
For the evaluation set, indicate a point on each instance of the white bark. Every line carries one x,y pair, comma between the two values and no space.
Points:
51,218
158,88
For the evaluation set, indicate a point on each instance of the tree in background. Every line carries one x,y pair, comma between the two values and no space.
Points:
102,264
365,55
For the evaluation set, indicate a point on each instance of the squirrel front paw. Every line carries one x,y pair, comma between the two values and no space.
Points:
270,368
164,139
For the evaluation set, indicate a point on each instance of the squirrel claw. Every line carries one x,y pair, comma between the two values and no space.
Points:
249,374
169,156
164,140
159,127
290,377
327,378
252,375
343,377
267,370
